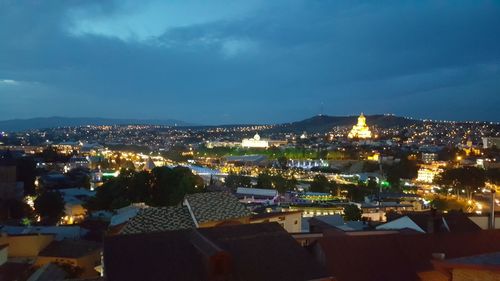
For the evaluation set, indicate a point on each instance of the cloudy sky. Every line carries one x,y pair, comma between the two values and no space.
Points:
230,61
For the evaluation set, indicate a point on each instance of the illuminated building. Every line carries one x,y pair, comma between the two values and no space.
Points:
360,130
374,157
426,175
489,142
428,172
428,158
470,149
212,144
255,142
78,162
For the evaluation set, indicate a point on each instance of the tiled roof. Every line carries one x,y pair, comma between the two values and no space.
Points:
262,251
455,221
159,219
216,206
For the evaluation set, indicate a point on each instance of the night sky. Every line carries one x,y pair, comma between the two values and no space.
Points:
264,61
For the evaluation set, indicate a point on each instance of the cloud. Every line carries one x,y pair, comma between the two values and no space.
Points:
8,82
233,48
135,21
256,61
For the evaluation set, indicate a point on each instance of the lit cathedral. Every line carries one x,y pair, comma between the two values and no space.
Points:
360,130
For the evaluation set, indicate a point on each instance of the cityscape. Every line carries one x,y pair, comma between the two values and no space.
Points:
212,153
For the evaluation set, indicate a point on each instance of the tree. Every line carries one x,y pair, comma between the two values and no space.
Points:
352,213
264,180
282,184
320,184
493,176
50,206
323,154
14,209
26,172
448,153
355,193
50,154
282,161
372,185
235,181
468,178
162,186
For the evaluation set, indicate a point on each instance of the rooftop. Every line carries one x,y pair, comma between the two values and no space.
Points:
154,219
70,248
215,206
257,191
399,256
256,251
486,259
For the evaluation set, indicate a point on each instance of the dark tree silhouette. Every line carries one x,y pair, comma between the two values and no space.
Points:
320,184
352,213
468,178
49,206
162,186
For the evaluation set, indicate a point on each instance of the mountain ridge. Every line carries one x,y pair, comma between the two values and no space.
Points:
317,123
16,125
322,123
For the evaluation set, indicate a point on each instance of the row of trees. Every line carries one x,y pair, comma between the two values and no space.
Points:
48,205
162,186
468,178
355,192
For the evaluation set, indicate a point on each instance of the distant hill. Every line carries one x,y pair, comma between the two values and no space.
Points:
323,123
15,125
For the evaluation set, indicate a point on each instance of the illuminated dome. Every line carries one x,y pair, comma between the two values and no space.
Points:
256,137
360,130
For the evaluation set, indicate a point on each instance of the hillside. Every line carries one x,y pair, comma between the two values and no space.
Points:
323,123
15,125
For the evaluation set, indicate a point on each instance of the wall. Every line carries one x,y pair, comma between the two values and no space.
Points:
378,216
4,252
26,245
244,220
290,221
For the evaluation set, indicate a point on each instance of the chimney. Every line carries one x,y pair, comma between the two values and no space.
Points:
217,262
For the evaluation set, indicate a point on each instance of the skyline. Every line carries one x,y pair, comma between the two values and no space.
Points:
249,61
153,121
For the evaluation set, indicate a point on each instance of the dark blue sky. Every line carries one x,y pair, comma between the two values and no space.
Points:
248,61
